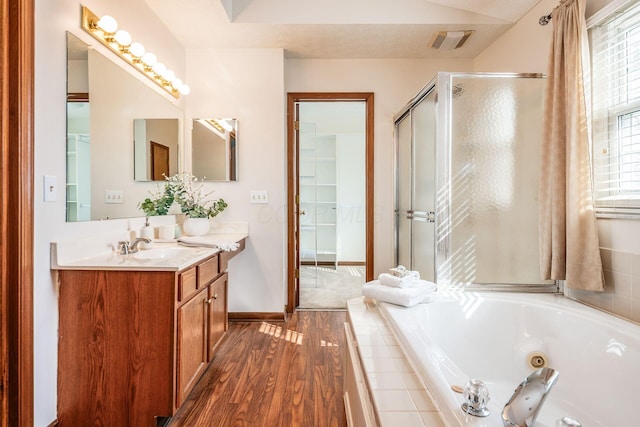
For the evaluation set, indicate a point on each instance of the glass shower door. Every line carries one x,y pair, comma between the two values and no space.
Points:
415,200
404,148
491,151
424,186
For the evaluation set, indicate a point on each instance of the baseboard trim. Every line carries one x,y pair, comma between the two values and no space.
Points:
256,317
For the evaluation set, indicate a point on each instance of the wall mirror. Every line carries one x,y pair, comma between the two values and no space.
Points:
104,105
214,149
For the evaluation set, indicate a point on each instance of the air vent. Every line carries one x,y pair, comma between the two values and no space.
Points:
449,40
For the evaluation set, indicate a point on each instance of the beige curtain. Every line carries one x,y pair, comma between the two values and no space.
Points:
569,246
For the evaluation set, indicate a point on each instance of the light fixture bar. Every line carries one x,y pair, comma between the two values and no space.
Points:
106,31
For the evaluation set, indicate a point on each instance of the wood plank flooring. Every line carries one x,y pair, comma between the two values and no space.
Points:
273,374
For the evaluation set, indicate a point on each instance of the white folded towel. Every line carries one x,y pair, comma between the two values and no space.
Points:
398,282
401,271
407,297
207,242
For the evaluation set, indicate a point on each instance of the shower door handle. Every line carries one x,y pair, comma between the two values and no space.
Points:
426,216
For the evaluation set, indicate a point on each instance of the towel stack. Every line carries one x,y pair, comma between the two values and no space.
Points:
401,287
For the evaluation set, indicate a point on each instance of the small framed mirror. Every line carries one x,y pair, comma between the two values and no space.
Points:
214,149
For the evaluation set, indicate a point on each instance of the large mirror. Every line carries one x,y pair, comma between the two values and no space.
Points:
214,148
104,105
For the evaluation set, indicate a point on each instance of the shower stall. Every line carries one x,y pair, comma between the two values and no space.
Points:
467,167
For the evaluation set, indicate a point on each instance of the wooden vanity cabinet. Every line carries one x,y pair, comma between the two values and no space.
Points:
132,344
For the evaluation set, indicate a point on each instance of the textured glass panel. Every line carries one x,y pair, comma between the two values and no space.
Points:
496,128
403,203
424,188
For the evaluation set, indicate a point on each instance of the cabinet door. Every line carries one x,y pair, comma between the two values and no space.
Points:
192,343
217,312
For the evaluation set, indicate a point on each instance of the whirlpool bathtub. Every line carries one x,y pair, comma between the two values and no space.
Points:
492,337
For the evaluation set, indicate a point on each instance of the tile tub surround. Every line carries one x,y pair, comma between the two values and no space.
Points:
399,397
621,294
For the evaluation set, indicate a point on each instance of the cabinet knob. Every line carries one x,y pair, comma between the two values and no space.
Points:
215,296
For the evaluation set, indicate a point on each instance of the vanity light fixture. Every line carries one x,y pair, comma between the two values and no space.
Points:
105,30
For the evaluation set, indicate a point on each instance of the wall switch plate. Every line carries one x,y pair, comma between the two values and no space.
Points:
113,196
50,188
259,196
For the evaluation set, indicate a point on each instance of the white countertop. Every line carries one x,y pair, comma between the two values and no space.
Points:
173,256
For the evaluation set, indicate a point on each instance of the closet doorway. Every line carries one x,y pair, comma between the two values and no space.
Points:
330,195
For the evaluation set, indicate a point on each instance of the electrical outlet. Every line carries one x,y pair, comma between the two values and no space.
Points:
113,196
259,196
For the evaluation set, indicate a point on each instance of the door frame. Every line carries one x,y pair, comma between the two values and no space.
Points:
16,212
293,289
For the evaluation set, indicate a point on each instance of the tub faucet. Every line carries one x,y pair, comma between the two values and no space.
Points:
523,407
126,248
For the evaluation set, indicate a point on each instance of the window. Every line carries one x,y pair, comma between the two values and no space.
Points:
615,47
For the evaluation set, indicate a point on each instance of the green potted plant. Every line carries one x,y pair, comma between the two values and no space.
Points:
198,206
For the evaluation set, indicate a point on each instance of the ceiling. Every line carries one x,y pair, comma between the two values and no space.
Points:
339,28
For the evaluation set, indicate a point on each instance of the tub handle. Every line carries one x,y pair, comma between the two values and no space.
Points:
476,395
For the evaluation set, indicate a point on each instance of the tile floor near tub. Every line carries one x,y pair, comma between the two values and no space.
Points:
397,393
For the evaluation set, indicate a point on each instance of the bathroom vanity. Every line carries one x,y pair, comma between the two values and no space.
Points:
137,331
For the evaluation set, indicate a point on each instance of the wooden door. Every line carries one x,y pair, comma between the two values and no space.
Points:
159,161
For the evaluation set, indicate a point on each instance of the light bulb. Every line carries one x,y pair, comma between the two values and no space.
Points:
108,24
136,49
149,59
159,68
123,38
226,125
176,83
184,89
168,75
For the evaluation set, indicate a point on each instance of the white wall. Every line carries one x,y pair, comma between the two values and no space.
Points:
394,83
53,19
247,84
522,49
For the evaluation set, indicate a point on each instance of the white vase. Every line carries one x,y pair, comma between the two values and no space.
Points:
196,226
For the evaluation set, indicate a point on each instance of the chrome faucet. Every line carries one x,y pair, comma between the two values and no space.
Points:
126,248
523,407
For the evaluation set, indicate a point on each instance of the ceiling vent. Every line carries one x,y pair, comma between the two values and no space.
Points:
449,40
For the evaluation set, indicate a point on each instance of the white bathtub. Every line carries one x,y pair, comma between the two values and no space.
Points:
489,335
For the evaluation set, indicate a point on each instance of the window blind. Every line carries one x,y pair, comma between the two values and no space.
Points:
615,49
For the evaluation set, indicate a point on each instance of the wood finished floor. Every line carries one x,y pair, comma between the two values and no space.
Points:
273,374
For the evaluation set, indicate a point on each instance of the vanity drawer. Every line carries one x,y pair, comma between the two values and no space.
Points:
187,284
207,271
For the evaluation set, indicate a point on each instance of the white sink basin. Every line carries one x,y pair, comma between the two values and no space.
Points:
160,253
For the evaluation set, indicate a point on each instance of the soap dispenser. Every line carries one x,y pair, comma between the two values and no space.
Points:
146,232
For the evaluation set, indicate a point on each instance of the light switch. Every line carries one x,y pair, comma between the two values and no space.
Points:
50,188
113,196
259,196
